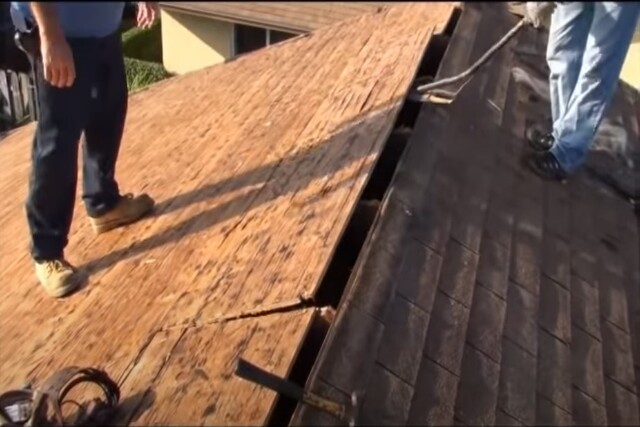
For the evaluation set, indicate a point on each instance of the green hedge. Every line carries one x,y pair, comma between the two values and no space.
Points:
143,73
143,55
145,45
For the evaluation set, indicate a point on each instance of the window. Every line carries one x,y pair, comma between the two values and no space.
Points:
247,39
277,36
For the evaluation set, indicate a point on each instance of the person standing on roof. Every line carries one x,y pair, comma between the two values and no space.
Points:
588,43
81,87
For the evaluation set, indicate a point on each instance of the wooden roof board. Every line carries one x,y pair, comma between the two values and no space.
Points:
485,295
185,376
256,166
292,16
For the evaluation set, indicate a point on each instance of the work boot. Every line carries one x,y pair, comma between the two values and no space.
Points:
546,166
129,209
540,141
57,276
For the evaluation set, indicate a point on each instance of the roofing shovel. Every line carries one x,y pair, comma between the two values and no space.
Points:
344,412
432,91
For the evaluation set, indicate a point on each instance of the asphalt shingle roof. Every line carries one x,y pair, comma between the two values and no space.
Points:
486,296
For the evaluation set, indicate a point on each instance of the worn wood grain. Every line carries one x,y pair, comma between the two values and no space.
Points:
256,166
196,385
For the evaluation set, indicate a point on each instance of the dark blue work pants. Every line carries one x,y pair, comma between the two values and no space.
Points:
95,104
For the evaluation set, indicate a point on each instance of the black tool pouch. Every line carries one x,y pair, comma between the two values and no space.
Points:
11,56
42,406
29,43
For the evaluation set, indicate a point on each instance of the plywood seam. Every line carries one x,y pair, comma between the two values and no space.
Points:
300,303
133,413
186,327
159,372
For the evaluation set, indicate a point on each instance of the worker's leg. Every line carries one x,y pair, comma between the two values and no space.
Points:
609,39
104,130
106,207
568,34
52,184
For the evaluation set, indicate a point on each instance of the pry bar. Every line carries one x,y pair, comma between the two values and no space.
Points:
344,412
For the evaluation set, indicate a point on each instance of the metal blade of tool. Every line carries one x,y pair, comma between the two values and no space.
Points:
253,373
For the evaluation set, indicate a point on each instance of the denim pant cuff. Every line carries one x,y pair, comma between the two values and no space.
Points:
557,152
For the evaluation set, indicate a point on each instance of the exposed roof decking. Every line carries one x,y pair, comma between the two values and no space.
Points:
486,296
256,166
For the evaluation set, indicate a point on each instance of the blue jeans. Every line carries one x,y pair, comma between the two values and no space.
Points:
588,43
95,104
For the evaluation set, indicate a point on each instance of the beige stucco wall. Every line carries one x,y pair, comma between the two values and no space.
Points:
631,69
191,42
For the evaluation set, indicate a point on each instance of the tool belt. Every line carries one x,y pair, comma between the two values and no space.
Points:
34,407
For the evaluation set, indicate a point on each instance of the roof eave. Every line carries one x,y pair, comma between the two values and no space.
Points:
176,7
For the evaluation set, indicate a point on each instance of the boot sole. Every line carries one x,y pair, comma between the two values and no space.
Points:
75,283
117,223
61,293
533,167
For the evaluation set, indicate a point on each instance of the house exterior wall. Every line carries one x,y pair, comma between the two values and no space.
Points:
192,42
631,68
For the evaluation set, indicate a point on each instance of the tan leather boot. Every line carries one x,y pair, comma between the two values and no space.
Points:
58,277
129,209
